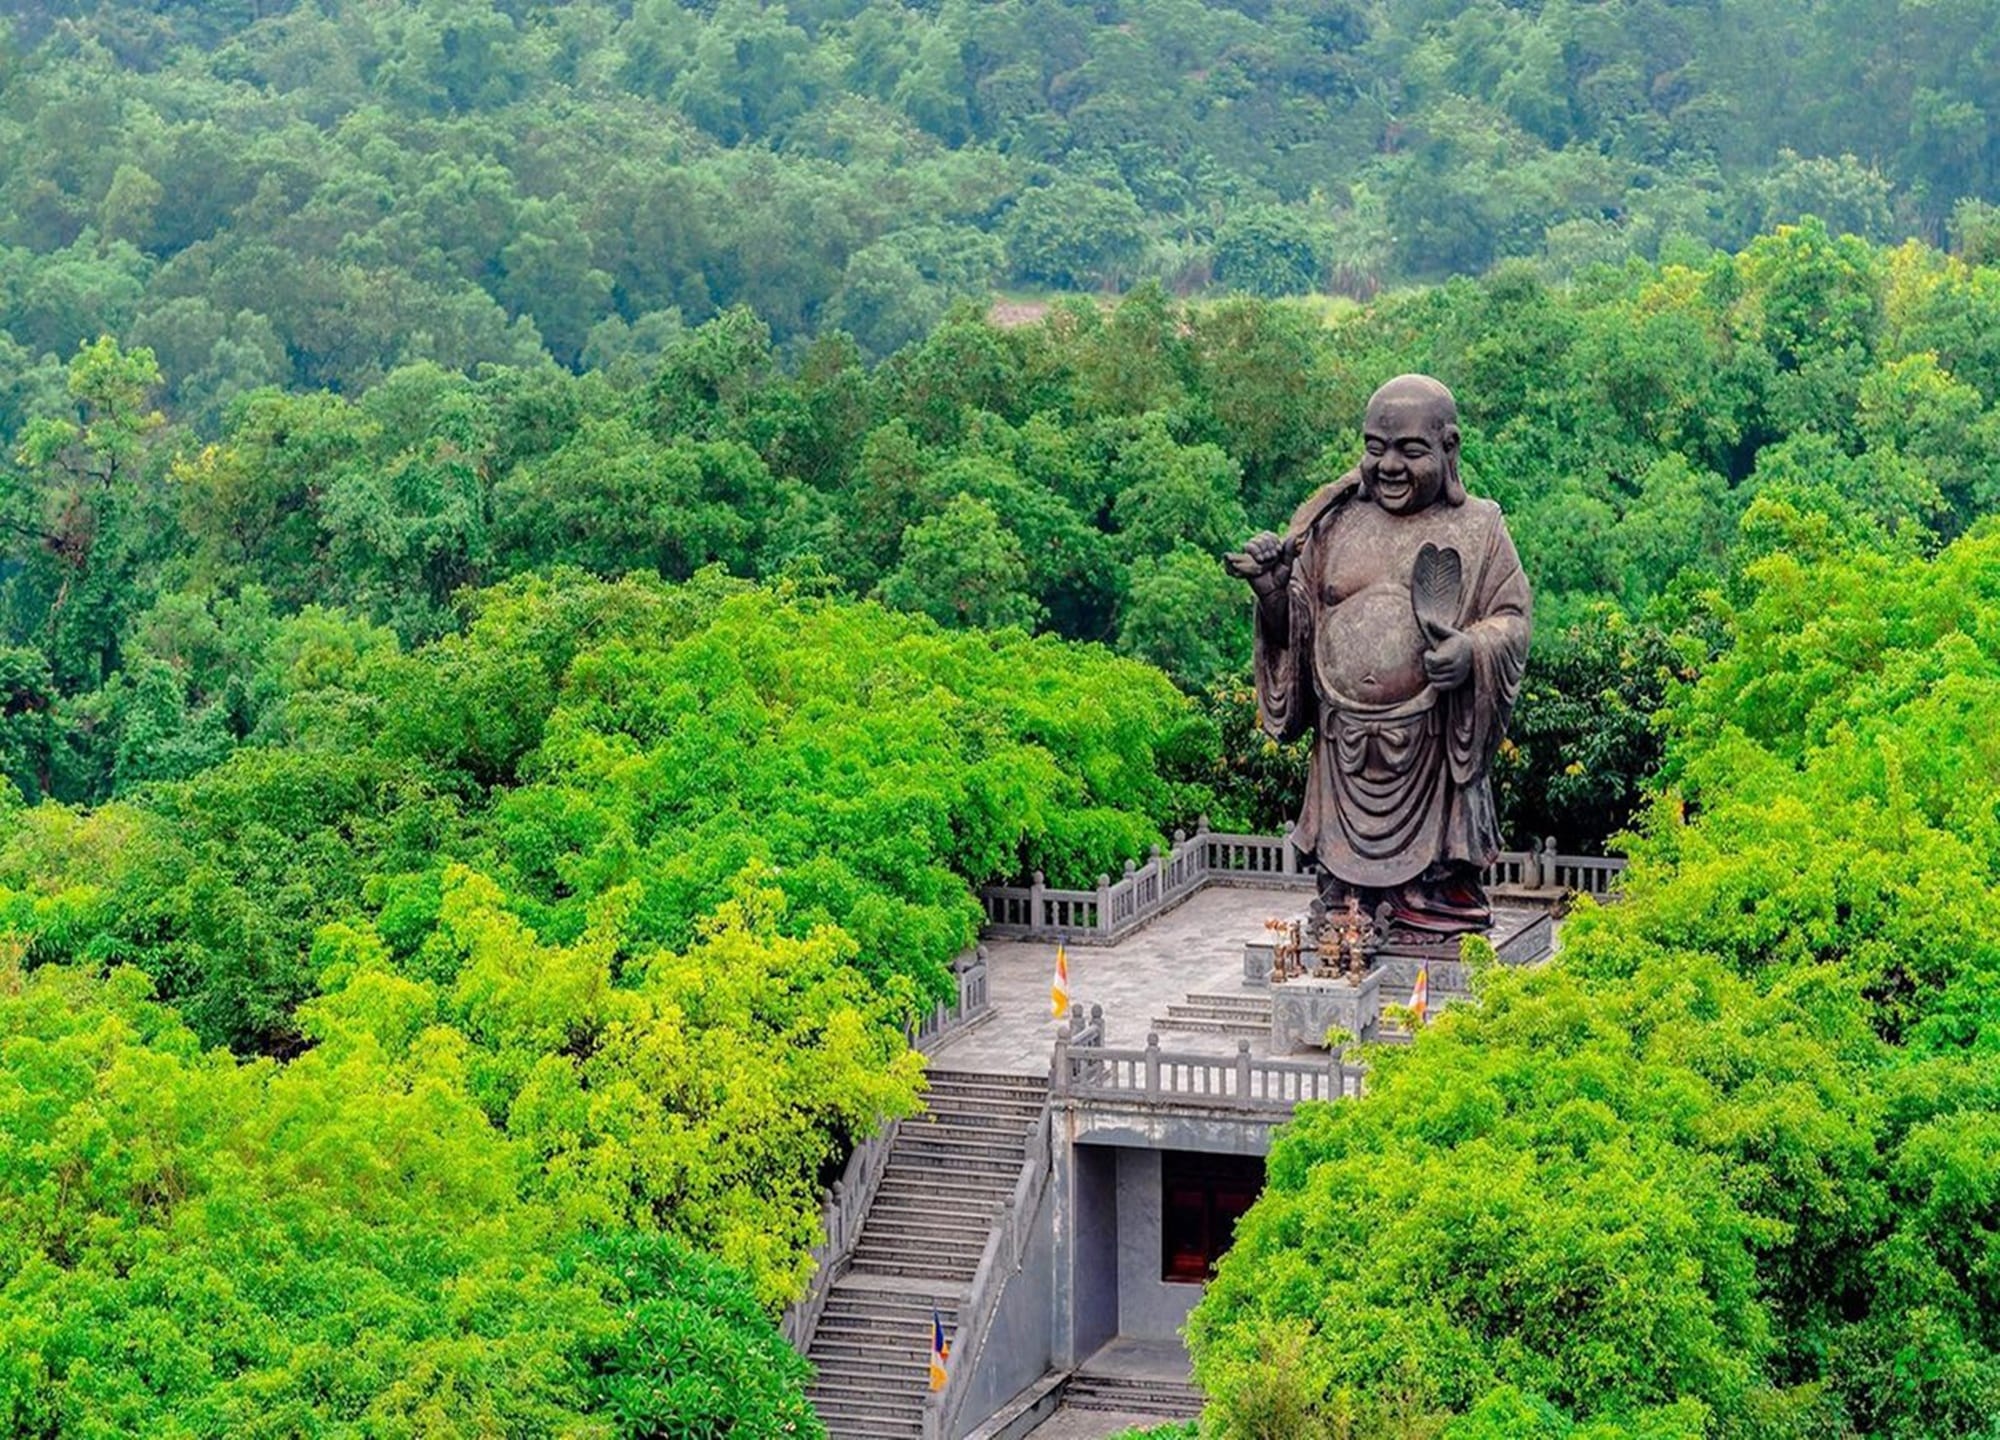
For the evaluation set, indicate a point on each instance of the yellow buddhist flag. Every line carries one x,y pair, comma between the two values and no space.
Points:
1420,993
1059,988
940,1351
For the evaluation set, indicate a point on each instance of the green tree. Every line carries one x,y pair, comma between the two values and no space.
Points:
1271,251
961,567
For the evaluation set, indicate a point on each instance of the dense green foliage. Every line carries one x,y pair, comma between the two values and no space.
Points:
1078,475
1729,1165
583,936
524,608
343,1245
312,194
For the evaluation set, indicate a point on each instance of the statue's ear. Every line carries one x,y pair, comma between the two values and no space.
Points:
1454,486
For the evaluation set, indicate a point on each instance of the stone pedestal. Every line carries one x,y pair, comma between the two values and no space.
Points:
1302,1011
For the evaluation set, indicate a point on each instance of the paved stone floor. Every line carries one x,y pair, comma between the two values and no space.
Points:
1197,947
1140,1360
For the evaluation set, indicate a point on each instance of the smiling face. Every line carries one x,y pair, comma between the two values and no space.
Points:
1409,445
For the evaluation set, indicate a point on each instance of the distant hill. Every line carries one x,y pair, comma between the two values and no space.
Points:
310,194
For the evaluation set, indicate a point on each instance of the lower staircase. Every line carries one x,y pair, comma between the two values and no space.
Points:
948,1175
1132,1395
1218,1015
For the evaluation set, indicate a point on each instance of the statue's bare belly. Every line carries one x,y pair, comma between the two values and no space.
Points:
1368,647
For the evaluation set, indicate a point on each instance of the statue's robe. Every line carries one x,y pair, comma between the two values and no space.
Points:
1400,773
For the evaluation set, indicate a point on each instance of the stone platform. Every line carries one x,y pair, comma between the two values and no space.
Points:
1197,948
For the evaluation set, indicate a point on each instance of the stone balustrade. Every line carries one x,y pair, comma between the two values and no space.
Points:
942,1021
1241,1082
840,1223
1115,908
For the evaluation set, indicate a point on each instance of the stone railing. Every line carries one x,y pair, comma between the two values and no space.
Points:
942,1021
847,1203
1241,1082
1006,1245
846,1207
1594,875
1115,908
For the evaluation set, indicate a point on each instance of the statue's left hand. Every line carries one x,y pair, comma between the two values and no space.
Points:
1449,665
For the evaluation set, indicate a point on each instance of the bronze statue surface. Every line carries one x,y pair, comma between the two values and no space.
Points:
1392,624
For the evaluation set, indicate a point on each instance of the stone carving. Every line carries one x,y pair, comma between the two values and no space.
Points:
1392,624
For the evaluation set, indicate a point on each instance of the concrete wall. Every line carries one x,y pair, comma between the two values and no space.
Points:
1094,1248
1017,1349
1149,1308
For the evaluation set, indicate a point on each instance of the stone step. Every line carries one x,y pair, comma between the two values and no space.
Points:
874,1298
993,1122
988,1117
999,1089
1202,1026
970,1162
858,1366
990,1079
858,1413
948,1193
859,1309
901,1262
850,1417
967,1097
873,1346
1256,1004
892,1241
917,1230
1169,1399
963,1130
975,1207
958,1211
924,1185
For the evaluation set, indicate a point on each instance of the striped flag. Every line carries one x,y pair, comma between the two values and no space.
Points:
1420,993
940,1352
1059,987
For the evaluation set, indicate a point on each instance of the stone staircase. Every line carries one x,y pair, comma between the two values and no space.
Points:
1132,1395
949,1173
1218,1015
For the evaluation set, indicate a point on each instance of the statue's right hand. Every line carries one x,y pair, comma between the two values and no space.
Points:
1265,561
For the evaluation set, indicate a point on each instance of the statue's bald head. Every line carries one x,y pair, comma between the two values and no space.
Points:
1421,392
1410,445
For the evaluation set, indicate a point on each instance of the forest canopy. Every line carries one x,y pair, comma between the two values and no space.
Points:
535,579
312,194
1728,1166
1076,477
456,1029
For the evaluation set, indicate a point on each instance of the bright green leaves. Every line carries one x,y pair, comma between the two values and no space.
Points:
200,1248
645,879
701,1094
961,568
342,1245
1725,1166
696,1356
